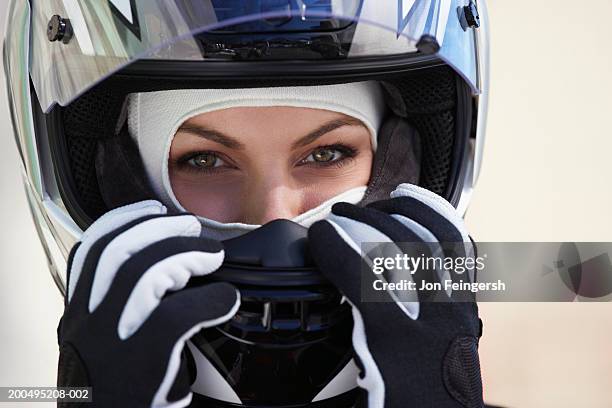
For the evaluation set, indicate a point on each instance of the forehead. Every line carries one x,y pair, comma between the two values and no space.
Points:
263,127
238,118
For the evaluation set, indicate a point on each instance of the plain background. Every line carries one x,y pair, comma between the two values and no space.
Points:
546,177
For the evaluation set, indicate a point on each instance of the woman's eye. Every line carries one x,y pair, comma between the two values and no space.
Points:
206,161
324,155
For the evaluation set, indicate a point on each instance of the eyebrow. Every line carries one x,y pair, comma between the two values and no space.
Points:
232,143
326,128
212,135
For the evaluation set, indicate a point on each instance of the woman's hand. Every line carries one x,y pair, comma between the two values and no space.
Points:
120,333
413,352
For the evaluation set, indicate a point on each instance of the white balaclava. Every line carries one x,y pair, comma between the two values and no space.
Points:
154,118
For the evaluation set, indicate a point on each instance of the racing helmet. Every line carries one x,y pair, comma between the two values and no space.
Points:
70,66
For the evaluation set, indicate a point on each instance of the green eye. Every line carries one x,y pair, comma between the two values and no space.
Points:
205,160
324,155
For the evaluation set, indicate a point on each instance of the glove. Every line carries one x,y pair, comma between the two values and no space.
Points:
411,354
121,333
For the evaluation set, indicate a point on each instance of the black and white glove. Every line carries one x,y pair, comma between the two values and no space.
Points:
412,354
122,333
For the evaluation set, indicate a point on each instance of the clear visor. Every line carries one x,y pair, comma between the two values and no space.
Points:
94,39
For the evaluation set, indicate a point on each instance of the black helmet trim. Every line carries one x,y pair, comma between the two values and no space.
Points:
361,69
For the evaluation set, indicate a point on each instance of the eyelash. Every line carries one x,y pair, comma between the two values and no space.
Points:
348,154
183,162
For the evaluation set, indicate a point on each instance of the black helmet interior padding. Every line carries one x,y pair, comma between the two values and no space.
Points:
120,172
102,163
428,100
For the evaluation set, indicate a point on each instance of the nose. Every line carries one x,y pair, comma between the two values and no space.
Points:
271,200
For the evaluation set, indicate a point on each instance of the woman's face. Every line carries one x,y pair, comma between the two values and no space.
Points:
257,164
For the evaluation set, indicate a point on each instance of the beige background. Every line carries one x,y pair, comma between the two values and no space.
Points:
546,176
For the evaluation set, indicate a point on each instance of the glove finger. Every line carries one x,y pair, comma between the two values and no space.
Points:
130,242
435,202
339,259
106,224
179,317
409,238
200,306
84,281
445,231
379,220
442,225
413,208
395,228
144,280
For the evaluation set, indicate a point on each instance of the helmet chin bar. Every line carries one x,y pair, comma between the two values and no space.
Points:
292,334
